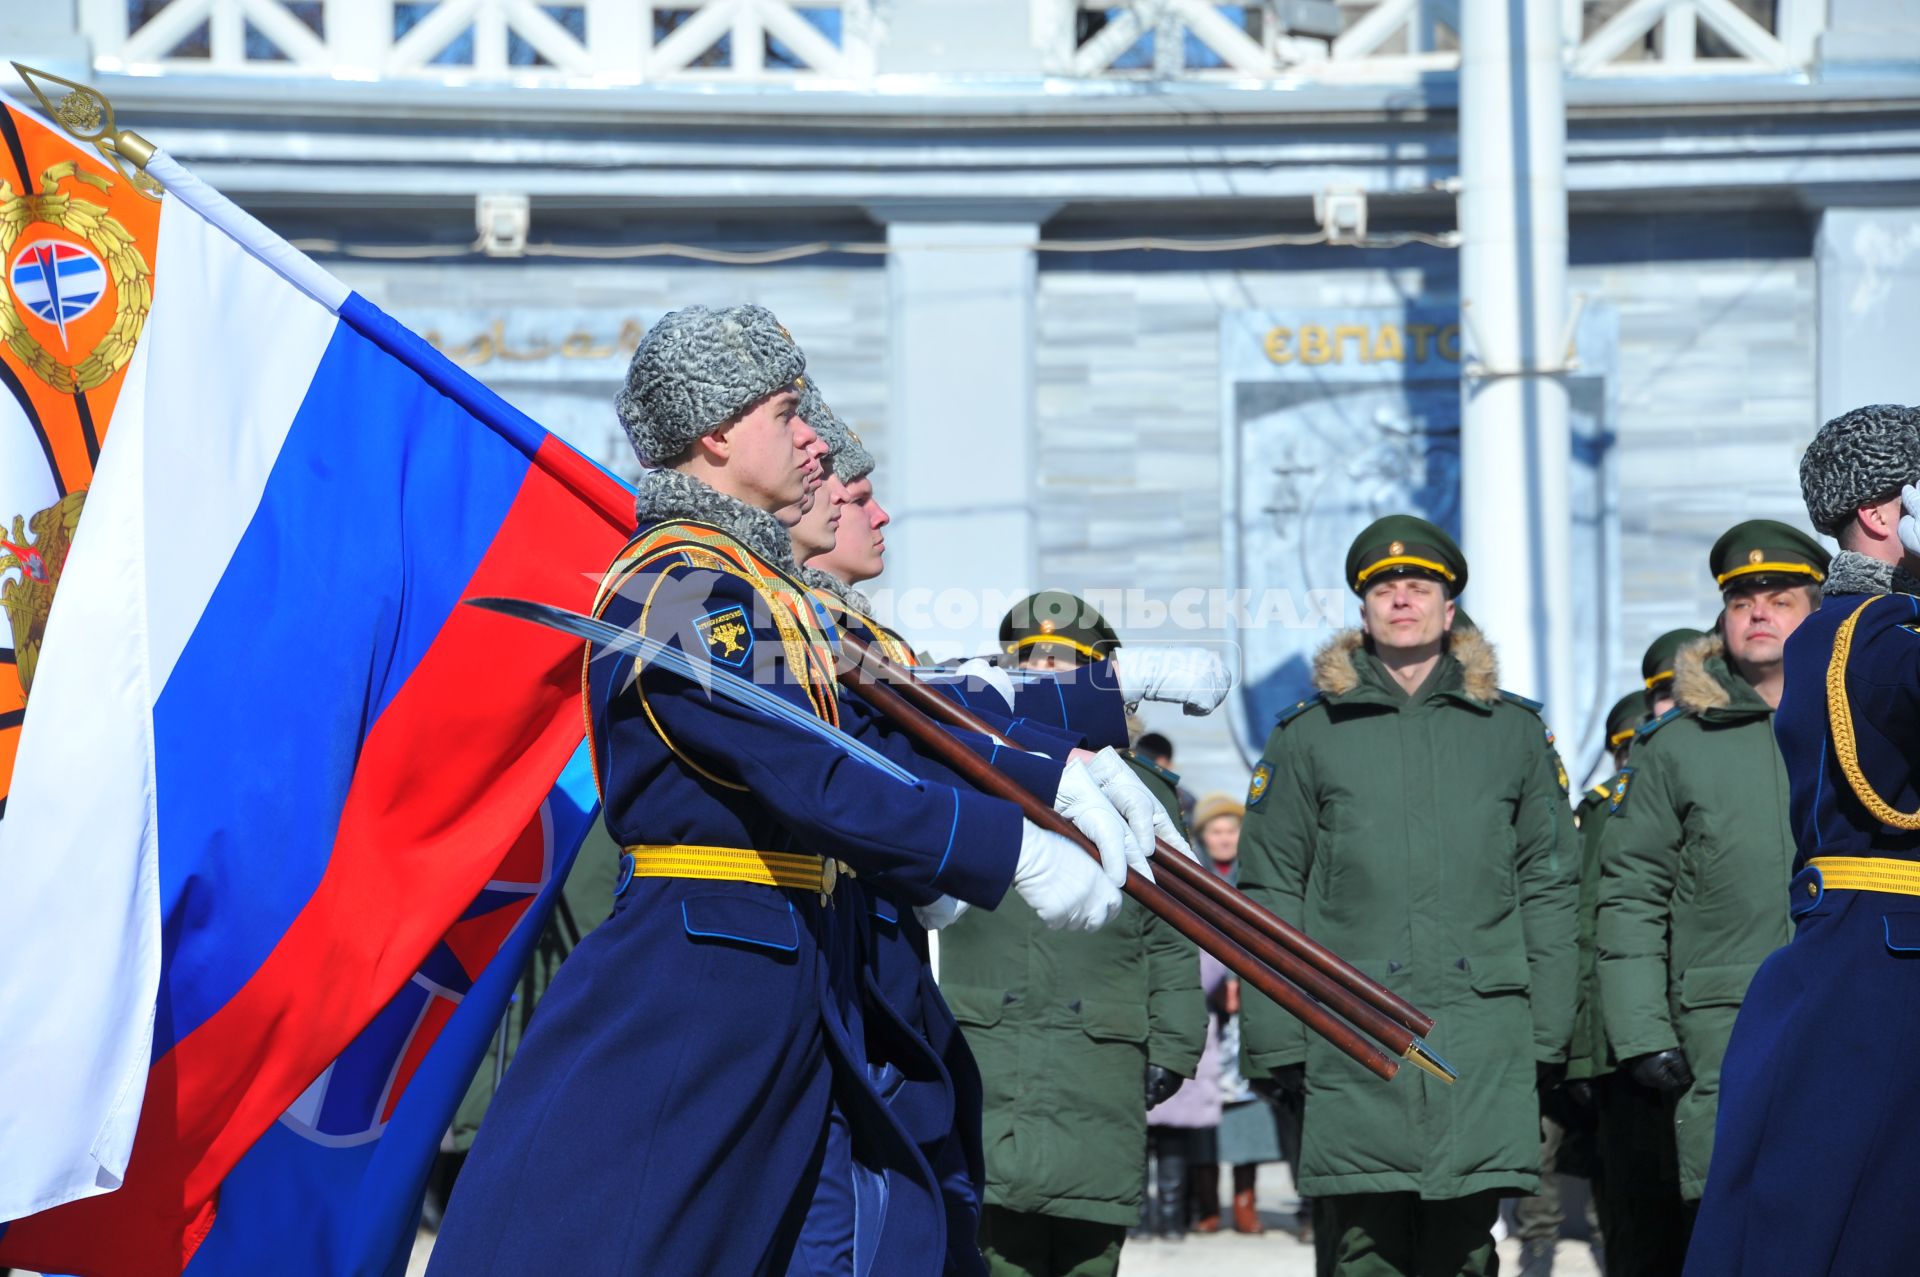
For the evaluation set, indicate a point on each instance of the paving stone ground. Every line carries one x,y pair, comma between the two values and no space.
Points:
1227,1254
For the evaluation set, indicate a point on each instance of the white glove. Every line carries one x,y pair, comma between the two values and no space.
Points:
1064,887
1079,799
1194,678
943,912
1910,521
1144,814
990,674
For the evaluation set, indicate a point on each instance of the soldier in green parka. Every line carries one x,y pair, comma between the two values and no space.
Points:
1076,1036
1569,1122
1411,817
1697,852
1637,1177
1589,1056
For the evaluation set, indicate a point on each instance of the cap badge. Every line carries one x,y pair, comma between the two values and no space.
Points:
1046,627
1396,548
1755,556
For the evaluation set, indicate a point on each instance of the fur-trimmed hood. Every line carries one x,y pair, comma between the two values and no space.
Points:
1336,669
1696,688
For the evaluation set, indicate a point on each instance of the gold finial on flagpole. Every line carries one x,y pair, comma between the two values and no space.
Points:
84,112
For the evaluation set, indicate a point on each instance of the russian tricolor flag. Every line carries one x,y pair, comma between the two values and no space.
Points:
285,817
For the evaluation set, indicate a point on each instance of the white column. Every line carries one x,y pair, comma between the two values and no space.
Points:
1869,271
958,474
1513,266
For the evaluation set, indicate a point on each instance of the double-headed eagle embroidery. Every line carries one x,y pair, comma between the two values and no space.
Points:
35,549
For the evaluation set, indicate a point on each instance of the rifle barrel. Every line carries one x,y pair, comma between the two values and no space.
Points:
1177,868
1157,899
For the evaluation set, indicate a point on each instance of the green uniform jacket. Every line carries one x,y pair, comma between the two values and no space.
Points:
1589,1056
586,898
1063,1025
1427,840
1695,863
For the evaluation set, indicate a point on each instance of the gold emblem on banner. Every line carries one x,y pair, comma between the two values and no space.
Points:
89,222
28,598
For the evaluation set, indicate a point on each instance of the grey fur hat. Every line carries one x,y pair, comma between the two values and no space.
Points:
698,368
845,453
1857,458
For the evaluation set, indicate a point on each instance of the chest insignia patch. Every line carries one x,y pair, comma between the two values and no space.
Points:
727,634
1257,787
1618,797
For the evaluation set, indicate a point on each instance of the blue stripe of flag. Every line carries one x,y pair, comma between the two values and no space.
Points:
380,504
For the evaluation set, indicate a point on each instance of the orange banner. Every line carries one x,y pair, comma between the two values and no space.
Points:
76,248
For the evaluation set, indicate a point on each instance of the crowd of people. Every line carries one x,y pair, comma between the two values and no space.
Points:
751,1067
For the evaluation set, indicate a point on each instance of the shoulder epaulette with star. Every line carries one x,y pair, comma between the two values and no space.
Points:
1296,709
1649,728
1517,699
1172,778
1533,707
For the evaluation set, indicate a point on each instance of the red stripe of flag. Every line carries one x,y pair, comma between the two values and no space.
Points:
448,778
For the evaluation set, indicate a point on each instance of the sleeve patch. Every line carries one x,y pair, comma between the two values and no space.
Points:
1258,786
727,633
1618,798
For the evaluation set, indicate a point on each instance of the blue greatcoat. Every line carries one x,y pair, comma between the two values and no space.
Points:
905,992
1815,1159
674,1101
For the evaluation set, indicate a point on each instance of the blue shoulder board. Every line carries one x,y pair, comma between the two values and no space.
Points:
1172,778
1296,709
1521,701
1648,729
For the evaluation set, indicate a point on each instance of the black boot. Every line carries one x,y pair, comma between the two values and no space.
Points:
1143,1231
1173,1193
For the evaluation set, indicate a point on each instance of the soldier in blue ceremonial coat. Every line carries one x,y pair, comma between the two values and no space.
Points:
704,1059
1817,1150
843,535
895,941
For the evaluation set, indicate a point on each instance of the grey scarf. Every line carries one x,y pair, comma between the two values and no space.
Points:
669,494
839,589
1855,573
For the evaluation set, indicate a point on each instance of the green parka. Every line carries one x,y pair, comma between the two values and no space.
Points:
1695,862
1589,1056
1063,1025
1427,840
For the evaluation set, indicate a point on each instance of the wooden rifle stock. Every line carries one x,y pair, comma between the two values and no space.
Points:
979,773
1302,962
1202,880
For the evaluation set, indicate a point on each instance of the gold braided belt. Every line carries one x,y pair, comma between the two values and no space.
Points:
1866,873
792,869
